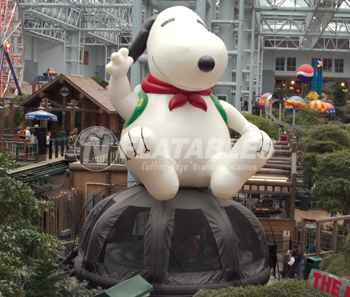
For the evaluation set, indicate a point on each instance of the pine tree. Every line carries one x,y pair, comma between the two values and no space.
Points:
43,281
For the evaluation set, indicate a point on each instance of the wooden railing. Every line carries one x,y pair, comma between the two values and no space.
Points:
21,149
318,233
102,154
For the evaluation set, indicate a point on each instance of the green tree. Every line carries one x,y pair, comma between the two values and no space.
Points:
100,81
339,96
271,128
22,245
304,117
279,94
18,116
332,181
320,140
43,281
338,264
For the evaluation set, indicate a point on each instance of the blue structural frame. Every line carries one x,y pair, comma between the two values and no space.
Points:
317,79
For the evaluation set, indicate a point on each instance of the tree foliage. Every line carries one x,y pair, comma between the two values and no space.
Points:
271,128
43,281
18,116
305,117
320,140
338,96
338,264
284,288
332,181
100,81
22,245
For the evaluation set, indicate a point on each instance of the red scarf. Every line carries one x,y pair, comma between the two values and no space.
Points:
152,85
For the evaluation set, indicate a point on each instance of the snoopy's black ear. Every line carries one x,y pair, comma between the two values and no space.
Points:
138,46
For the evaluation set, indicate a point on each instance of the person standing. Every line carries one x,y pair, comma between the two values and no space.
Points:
28,135
19,128
299,259
48,136
281,201
292,264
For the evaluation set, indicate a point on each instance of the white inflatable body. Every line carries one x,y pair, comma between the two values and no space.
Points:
165,147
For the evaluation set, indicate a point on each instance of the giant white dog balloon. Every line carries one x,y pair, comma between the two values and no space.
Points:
175,131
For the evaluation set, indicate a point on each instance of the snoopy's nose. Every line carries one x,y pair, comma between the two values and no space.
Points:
206,63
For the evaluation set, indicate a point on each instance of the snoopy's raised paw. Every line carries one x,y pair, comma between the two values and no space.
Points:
120,63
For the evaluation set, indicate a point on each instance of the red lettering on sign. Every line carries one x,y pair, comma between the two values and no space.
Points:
347,292
317,276
326,283
335,288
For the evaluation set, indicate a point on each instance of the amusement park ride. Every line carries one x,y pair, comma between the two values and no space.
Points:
12,46
293,104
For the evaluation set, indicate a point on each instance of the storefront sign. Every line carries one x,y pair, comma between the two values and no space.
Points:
64,91
44,79
328,284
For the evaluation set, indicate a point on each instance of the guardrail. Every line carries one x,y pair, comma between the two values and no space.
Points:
105,154
21,150
58,147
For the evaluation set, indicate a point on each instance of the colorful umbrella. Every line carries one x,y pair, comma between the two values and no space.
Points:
40,116
294,102
318,105
330,109
262,101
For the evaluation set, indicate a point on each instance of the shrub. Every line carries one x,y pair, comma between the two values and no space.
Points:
271,128
338,264
283,288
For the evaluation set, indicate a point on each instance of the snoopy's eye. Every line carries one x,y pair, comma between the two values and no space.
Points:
198,21
167,21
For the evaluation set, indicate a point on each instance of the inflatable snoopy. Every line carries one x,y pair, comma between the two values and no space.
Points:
176,132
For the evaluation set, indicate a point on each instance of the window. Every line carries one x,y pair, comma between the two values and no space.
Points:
126,239
327,65
193,246
86,58
291,63
339,65
280,63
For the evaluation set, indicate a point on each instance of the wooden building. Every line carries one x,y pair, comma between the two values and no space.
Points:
78,102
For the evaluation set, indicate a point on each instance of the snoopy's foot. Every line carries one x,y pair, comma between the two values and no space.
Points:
161,185
225,183
137,143
155,171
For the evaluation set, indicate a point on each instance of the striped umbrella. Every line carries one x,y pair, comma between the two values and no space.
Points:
263,99
294,102
318,105
330,109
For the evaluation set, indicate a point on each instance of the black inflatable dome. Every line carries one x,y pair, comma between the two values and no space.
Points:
193,241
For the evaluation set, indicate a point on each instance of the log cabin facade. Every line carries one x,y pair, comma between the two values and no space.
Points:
94,107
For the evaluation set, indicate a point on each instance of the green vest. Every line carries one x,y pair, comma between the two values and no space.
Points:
143,101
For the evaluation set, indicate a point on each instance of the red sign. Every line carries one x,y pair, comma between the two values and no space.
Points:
328,284
64,91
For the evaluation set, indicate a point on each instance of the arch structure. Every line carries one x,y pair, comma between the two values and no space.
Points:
193,241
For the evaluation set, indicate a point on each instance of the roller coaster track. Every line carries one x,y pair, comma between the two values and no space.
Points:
268,108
